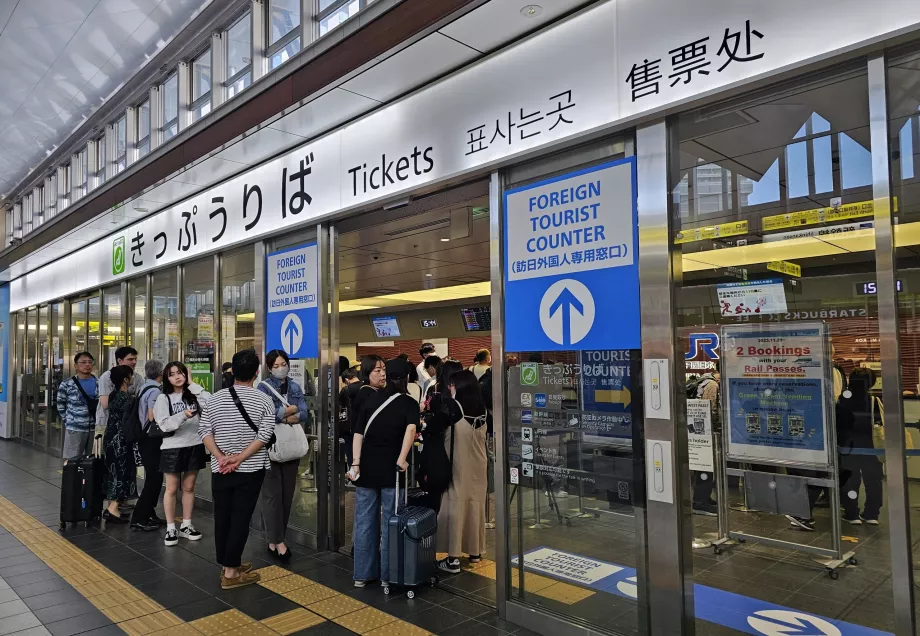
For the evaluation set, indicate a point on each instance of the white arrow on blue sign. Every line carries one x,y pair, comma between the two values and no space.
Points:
292,321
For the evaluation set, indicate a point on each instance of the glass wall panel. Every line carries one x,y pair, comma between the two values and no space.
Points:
42,377
29,384
238,312
113,335
94,333
143,129
201,85
285,17
338,16
137,318
78,328
165,311
239,54
58,335
904,134
121,144
198,329
780,334
100,161
19,369
170,107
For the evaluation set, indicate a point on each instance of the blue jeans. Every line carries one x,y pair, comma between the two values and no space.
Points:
372,535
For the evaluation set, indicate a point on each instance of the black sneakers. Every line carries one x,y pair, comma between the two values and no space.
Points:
171,538
189,533
450,565
802,523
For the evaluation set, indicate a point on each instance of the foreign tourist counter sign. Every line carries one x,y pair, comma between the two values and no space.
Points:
571,268
776,380
291,301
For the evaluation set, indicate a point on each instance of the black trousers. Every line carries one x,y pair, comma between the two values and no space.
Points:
703,485
153,480
868,470
235,496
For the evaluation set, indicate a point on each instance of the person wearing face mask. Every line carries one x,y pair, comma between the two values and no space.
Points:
291,409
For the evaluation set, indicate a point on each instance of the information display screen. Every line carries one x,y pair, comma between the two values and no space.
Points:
871,289
477,318
429,323
386,326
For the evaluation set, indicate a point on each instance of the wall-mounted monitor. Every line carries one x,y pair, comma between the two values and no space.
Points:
386,326
477,318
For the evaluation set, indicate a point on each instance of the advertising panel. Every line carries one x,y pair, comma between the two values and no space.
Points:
775,393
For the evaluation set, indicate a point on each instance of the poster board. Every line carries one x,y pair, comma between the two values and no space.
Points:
776,394
699,435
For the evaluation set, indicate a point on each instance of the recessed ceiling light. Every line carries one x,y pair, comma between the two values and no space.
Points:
531,10
428,275
347,287
445,240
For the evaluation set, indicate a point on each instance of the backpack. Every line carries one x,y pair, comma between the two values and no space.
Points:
134,430
693,385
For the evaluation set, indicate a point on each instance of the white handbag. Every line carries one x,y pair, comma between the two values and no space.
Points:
290,440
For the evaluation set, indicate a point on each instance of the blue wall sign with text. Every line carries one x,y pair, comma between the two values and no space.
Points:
291,288
571,267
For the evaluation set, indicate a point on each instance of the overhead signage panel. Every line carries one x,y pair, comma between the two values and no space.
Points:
571,268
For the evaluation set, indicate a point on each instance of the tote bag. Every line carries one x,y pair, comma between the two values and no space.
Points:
290,440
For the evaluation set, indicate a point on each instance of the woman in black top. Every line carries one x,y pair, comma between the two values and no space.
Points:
383,436
855,418
119,481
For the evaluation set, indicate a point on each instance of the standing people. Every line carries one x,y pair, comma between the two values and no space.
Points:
236,427
351,384
481,363
383,438
461,520
124,356
373,378
145,516
432,368
178,409
226,375
77,400
291,409
120,480
856,419
427,349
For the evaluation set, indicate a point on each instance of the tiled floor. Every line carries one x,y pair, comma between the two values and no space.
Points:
111,580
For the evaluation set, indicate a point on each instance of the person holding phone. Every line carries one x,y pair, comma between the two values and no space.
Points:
383,437
182,454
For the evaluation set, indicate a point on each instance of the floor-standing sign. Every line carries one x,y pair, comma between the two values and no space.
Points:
571,268
291,301
776,383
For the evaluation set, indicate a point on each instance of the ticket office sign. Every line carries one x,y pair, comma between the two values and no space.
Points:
775,383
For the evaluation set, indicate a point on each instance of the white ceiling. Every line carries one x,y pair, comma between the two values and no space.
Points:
61,59
454,46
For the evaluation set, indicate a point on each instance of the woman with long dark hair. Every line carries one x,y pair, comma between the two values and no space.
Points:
461,520
857,413
120,481
177,411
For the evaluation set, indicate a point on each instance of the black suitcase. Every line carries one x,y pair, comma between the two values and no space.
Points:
81,491
413,534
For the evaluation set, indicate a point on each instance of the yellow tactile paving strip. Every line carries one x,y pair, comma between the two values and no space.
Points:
138,615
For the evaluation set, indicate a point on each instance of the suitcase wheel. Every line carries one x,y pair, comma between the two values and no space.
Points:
410,594
386,589
435,580
63,526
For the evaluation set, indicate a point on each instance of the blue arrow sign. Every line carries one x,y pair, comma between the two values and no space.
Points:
289,332
566,302
292,320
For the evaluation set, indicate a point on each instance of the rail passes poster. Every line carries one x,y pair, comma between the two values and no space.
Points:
775,393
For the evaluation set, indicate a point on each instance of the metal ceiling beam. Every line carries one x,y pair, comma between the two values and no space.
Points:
337,55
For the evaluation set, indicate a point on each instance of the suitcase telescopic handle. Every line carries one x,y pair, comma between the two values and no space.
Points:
405,493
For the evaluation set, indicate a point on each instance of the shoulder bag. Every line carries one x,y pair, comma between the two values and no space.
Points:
291,441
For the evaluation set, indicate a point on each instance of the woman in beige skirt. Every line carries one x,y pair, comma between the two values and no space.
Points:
461,521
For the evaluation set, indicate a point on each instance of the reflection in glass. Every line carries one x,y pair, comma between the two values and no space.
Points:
285,17
286,53
94,333
807,160
57,337
30,388
165,312
339,16
112,334
238,311
239,45
170,107
137,318
42,377
198,327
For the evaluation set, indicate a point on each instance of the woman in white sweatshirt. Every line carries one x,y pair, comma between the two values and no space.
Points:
182,454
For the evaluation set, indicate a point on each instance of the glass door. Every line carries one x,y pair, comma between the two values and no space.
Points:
113,333
57,370
30,411
42,377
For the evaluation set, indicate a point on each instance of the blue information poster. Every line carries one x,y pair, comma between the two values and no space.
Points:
292,319
776,406
571,268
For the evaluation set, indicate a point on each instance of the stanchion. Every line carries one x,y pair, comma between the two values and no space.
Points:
537,523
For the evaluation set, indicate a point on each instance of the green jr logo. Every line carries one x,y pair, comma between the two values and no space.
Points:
530,374
118,256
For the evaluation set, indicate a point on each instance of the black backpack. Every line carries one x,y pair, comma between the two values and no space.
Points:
134,430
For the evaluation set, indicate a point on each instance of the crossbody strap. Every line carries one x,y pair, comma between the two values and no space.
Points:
239,406
380,408
86,397
277,395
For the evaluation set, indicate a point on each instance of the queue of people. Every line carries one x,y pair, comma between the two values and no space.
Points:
182,423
